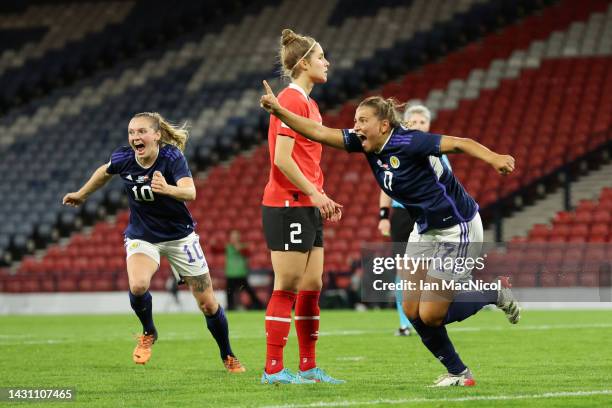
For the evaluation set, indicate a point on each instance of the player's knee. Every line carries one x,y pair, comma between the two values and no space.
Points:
208,306
311,284
411,311
139,287
288,283
431,320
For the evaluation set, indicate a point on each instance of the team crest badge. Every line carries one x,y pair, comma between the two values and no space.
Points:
134,245
394,162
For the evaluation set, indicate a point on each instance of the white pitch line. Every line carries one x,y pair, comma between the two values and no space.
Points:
446,400
533,327
356,358
14,336
338,333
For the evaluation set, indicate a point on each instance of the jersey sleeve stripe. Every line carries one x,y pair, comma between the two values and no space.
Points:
120,156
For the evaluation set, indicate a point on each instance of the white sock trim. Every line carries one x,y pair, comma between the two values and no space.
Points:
279,319
307,317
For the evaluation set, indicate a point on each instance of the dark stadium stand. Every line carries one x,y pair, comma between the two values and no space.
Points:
528,110
94,37
82,124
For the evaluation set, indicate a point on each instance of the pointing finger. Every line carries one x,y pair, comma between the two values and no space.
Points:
267,88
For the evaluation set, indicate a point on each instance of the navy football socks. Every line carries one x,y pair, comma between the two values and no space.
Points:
143,307
437,342
466,304
218,327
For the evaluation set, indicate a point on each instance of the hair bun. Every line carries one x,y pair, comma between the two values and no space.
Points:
287,37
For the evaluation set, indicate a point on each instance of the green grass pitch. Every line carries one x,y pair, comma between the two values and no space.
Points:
550,359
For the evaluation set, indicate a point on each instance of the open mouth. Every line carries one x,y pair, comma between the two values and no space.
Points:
362,138
139,147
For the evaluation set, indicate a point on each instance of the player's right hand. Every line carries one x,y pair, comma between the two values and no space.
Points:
330,210
73,199
269,101
384,226
503,163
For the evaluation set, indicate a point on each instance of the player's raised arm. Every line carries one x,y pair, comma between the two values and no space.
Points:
183,191
306,127
97,180
503,163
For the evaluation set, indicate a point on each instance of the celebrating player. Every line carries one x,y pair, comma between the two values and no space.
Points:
407,167
399,223
158,183
294,206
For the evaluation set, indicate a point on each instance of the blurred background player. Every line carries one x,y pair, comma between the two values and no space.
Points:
172,288
237,271
158,182
407,167
294,206
398,223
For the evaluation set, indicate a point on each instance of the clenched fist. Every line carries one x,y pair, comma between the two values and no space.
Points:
159,184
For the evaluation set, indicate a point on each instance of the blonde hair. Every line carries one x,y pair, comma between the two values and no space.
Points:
294,48
385,109
170,134
420,109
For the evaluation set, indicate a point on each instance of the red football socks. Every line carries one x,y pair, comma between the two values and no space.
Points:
278,323
307,314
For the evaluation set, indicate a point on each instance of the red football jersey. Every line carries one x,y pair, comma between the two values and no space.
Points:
280,192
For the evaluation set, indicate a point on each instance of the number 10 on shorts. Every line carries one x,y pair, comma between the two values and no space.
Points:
196,248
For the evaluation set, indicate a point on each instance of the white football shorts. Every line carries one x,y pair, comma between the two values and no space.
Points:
452,252
185,255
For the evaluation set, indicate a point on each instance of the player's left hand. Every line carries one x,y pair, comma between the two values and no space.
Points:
503,163
158,183
384,227
269,101
337,215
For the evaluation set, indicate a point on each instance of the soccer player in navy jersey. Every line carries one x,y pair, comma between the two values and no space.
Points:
398,223
406,164
158,183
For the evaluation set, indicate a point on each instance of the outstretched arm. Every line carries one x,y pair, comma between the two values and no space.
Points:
304,126
97,180
503,163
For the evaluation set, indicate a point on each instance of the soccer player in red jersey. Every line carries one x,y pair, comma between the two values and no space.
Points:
294,206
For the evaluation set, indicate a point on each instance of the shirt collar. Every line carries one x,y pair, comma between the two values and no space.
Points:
386,141
299,89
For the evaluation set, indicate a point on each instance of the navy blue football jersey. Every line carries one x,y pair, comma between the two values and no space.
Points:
409,170
445,162
153,217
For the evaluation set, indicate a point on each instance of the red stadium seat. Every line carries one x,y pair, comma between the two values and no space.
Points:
563,217
67,285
